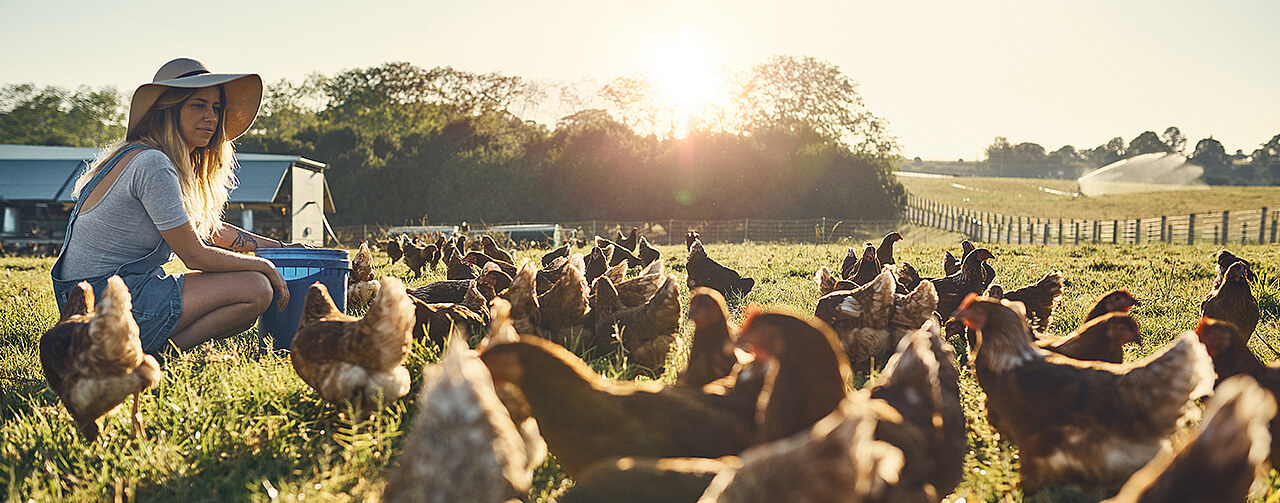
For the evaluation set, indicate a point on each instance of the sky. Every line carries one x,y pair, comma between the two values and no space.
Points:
948,76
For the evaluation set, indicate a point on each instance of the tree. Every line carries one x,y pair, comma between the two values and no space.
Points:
803,92
1266,161
1174,139
85,117
1146,143
1217,166
1107,153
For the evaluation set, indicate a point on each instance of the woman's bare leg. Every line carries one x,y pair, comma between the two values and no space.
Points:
219,304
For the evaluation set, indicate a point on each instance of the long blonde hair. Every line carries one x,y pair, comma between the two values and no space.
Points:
206,175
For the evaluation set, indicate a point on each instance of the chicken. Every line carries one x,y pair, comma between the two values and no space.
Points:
392,247
435,321
1232,357
585,418
828,283
1090,424
638,290
415,256
950,264
648,331
921,382
525,314
563,309
93,357
1101,339
860,318
494,278
1222,460
710,353
356,360
551,273
551,256
864,269
451,291
1115,301
837,459
629,241
1233,301
597,262
433,256
690,237
455,267
953,288
1039,299
808,370
910,311
884,253
363,285
464,445
490,248
647,253
906,276
620,253
482,260
1224,259
703,271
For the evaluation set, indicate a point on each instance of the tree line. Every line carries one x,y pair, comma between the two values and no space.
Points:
411,145
1027,159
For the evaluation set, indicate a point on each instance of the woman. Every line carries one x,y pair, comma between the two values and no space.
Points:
161,191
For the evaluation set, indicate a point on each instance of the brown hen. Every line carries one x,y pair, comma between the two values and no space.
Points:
586,418
703,271
1101,339
860,318
1221,461
93,357
1039,299
711,348
353,360
647,331
1090,424
1233,300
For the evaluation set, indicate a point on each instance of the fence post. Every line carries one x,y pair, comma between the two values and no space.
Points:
1262,226
1226,219
746,226
1164,224
1059,232
1019,230
1273,229
1244,233
1115,232
1075,231
1032,230
1191,229
1137,231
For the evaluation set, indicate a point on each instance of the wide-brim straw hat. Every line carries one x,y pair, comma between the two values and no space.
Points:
243,91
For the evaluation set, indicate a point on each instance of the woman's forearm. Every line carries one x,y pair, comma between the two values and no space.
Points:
236,239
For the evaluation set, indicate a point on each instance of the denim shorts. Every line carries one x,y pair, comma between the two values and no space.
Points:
157,305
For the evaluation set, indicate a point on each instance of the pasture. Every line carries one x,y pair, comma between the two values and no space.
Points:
229,424
1024,196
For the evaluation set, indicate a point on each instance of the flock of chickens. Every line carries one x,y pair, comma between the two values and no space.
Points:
763,411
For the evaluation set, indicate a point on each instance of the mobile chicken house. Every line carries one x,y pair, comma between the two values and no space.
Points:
281,196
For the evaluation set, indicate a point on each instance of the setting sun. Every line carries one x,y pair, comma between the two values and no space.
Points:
687,77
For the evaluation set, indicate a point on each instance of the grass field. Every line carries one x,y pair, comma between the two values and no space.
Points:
228,424
1024,197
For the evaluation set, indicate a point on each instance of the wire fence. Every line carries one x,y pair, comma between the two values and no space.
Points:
672,231
1221,227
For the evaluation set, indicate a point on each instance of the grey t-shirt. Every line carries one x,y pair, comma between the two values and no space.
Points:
125,224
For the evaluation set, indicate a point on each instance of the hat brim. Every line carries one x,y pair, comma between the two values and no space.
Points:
244,98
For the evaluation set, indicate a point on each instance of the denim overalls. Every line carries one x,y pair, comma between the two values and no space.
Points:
157,295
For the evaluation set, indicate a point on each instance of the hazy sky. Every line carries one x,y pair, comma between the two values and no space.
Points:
949,76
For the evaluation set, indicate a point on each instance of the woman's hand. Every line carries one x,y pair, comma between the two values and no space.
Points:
278,284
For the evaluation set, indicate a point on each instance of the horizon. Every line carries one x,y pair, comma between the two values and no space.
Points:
947,78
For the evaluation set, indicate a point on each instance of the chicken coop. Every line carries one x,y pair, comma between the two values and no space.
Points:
280,196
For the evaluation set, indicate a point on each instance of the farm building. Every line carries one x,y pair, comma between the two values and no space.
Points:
281,196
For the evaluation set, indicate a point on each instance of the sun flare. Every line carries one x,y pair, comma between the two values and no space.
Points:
687,77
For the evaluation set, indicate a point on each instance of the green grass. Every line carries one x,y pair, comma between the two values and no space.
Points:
1022,196
229,424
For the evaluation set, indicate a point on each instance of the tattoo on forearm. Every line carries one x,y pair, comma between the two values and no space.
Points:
244,242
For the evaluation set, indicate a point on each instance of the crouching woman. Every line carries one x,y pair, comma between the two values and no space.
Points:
161,192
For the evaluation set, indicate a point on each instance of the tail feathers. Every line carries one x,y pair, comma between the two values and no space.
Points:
113,319
389,322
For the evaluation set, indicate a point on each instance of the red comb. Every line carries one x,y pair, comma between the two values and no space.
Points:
968,299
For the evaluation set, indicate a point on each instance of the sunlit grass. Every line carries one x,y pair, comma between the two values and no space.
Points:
231,424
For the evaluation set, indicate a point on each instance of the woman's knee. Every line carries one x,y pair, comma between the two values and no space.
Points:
258,290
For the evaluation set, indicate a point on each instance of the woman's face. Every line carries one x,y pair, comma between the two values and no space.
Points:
198,117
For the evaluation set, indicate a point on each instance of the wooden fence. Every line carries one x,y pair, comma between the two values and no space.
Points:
1223,227
671,231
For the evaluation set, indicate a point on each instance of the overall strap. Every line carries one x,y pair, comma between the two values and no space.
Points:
93,182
